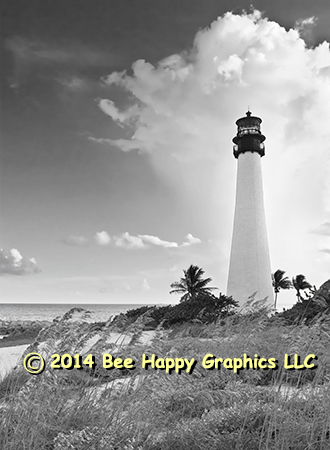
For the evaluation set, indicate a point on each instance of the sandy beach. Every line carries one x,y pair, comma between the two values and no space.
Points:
9,357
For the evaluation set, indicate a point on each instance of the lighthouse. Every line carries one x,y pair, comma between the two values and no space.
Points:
249,268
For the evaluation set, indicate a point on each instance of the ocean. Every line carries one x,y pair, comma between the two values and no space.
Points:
43,311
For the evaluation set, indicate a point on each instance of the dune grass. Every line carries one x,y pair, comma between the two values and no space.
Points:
208,409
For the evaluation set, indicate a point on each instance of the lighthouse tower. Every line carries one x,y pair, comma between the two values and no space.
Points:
249,269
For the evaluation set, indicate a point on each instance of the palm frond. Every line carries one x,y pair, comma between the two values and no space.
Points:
192,284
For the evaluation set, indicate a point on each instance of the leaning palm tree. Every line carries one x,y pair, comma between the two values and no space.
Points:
300,284
280,282
192,284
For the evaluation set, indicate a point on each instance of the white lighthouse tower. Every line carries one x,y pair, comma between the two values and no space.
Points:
249,269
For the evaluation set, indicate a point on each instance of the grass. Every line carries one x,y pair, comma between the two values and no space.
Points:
209,409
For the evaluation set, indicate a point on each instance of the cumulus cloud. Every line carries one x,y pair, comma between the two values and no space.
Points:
184,119
154,240
102,238
128,241
144,240
191,240
12,262
75,241
184,99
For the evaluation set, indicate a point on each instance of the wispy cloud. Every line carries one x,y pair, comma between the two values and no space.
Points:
145,285
323,229
13,263
76,241
124,144
121,118
34,51
110,283
305,28
74,83
30,53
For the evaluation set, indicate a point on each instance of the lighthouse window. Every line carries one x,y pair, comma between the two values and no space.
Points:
248,130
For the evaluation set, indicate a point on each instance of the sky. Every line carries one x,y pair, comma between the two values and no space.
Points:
117,119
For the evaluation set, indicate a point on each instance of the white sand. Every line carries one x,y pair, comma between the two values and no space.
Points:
9,357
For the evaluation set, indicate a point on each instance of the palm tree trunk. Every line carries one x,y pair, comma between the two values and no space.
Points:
275,301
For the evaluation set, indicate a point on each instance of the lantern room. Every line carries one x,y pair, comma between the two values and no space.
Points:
249,137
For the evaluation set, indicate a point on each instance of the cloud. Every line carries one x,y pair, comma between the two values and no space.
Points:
76,241
184,122
323,229
102,238
12,262
34,51
183,98
145,240
74,83
121,118
305,28
124,144
100,140
325,250
191,240
145,285
129,242
154,240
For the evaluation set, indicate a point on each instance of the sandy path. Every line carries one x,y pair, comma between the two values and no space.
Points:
9,357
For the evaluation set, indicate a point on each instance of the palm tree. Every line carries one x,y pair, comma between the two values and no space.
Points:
300,283
280,282
192,284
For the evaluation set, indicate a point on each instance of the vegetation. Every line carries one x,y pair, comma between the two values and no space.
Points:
280,282
300,283
205,308
273,408
303,312
208,409
192,284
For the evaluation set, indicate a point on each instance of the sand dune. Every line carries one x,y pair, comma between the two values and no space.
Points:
9,357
